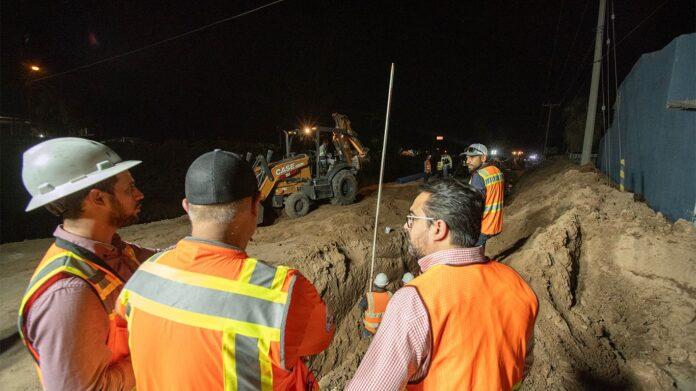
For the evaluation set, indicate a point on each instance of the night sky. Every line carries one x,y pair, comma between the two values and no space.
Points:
462,67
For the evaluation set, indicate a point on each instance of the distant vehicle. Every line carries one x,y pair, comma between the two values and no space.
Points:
300,179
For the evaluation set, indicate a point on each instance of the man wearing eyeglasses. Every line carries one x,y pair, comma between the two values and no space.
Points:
466,322
488,180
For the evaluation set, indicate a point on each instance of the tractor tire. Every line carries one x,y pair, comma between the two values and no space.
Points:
297,205
345,188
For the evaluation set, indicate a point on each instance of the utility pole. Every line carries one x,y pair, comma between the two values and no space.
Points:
594,87
548,123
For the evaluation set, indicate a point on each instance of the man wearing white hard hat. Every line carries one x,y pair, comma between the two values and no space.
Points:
373,304
489,181
66,317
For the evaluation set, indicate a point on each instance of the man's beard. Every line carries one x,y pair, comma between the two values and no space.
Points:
472,169
118,218
414,250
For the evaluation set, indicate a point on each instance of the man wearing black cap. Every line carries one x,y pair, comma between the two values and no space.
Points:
204,315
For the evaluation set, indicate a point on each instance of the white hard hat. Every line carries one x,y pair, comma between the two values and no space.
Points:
407,278
381,280
59,167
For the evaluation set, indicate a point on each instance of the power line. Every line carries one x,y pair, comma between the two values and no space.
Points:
578,71
607,75
617,99
582,63
572,46
160,42
553,48
641,22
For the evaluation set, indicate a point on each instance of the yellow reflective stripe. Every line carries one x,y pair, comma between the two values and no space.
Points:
265,365
229,364
279,279
45,262
493,205
45,278
113,285
369,314
247,270
213,282
371,324
495,178
103,293
200,320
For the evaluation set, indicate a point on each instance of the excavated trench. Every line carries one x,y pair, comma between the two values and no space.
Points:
614,279
332,247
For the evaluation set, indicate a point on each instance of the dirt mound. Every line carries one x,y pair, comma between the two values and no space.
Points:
615,280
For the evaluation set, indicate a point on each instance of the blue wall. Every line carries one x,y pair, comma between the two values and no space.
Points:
658,144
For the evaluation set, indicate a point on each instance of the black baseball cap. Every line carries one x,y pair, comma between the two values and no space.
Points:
219,177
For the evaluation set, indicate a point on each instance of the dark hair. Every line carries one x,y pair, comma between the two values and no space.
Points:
72,204
459,205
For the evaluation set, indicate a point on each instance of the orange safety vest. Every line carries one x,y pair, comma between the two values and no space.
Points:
64,259
481,317
201,319
376,305
492,222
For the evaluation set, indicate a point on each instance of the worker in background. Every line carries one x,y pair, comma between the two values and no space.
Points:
407,277
206,316
439,164
488,180
325,158
446,164
373,305
66,317
427,168
465,323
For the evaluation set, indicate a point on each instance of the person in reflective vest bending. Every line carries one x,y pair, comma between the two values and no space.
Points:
488,180
466,322
204,315
373,305
66,317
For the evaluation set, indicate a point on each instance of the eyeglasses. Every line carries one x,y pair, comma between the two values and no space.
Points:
410,218
474,150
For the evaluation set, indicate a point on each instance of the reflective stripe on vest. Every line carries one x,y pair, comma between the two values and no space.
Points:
250,312
492,221
375,311
60,261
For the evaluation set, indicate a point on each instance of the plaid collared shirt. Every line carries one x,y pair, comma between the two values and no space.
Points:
400,351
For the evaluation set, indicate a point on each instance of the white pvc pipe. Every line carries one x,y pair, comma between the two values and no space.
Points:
381,176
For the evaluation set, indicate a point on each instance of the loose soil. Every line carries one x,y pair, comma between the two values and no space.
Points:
616,281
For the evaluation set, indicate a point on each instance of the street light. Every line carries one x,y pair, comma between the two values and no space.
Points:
35,68
494,152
